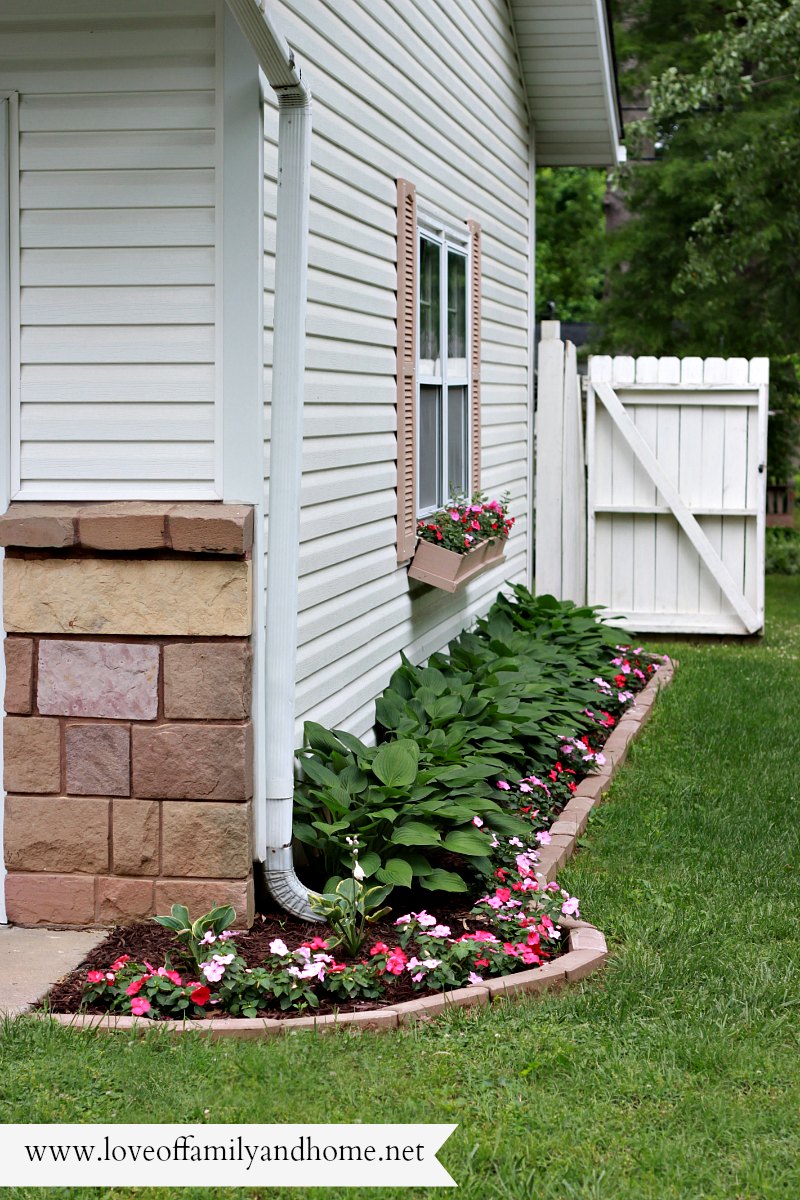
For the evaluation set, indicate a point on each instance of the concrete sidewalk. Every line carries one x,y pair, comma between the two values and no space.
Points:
31,960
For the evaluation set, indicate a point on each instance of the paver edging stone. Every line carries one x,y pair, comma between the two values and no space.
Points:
586,953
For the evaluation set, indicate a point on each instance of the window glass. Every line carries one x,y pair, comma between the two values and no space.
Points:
457,439
429,437
456,315
429,307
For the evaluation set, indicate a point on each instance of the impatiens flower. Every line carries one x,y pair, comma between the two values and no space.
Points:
213,971
514,841
425,919
278,947
396,962
525,787
524,864
404,920
441,931
317,943
208,938
95,976
543,837
173,976
473,978
110,976
379,948
120,962
477,821
504,787
136,985
454,513
140,1006
503,893
570,907
201,995
431,963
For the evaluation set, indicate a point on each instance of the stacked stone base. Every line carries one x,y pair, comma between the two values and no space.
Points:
128,742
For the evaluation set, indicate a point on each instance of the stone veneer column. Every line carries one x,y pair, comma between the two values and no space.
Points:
128,740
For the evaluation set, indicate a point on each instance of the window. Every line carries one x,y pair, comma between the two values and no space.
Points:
438,363
442,368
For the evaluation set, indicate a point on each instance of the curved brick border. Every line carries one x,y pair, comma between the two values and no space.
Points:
587,950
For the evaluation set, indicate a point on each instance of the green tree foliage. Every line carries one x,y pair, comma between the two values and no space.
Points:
709,262
570,236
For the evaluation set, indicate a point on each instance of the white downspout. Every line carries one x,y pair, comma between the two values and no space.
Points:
286,445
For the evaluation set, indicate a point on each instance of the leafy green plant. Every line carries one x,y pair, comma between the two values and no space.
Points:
351,906
197,935
406,814
782,551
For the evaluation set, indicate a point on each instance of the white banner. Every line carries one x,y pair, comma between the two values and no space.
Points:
223,1155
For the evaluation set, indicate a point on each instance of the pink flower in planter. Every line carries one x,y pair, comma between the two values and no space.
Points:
140,1006
455,514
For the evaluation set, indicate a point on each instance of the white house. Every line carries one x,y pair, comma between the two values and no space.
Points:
155,231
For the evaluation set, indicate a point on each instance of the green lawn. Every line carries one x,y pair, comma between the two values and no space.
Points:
674,1074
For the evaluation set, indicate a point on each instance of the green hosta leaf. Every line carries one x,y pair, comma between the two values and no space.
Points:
390,710
395,871
352,743
320,738
443,881
418,863
415,833
443,708
370,861
304,833
506,823
466,841
433,679
395,764
315,770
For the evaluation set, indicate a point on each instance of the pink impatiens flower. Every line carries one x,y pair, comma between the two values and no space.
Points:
503,786
543,837
441,931
140,1006
570,907
477,822
95,976
278,946
474,978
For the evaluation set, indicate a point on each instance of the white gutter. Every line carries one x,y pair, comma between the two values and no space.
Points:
286,445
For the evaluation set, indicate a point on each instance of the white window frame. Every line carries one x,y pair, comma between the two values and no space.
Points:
447,237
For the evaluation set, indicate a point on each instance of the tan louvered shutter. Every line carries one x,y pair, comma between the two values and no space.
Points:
406,369
475,351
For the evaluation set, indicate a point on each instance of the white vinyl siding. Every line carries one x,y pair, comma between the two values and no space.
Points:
428,92
114,384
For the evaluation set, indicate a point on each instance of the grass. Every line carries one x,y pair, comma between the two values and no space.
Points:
675,1074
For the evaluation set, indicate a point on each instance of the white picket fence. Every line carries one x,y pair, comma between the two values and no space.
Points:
674,511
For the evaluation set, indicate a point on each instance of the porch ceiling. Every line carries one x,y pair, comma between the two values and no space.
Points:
567,58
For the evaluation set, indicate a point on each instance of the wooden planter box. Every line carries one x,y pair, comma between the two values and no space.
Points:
450,571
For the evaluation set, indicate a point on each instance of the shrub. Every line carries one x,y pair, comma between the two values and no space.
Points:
783,551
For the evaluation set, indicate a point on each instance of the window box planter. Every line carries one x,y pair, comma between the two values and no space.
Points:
449,571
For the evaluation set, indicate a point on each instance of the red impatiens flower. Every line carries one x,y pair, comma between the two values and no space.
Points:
200,995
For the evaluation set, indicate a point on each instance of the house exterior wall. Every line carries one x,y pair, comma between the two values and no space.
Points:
431,93
114,225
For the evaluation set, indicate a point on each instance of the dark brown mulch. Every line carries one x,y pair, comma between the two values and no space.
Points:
152,942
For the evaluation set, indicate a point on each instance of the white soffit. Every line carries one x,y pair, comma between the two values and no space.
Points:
567,59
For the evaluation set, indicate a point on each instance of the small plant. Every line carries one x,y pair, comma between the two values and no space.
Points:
464,523
783,551
198,935
351,906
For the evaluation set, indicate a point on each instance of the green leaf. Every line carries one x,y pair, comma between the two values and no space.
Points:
395,871
319,773
415,833
443,881
352,743
320,738
466,841
433,679
370,861
396,763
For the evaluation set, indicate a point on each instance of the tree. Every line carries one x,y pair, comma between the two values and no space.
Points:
570,235
709,261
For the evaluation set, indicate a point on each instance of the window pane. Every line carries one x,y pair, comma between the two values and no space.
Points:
456,315
429,436
429,313
457,439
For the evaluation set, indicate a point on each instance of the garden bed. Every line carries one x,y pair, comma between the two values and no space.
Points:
405,968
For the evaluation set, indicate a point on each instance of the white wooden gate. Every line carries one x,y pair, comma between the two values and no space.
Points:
676,486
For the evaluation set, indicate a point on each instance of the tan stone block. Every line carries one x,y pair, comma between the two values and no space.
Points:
19,674
206,839
592,787
164,596
123,525
211,528
121,900
587,938
200,895
580,963
207,681
98,679
565,825
540,979
193,762
378,1018
31,754
242,1028
50,899
54,833
98,759
135,837
38,525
